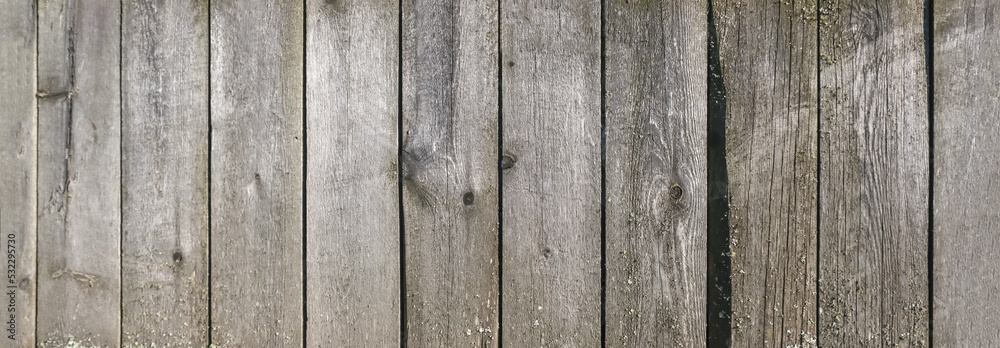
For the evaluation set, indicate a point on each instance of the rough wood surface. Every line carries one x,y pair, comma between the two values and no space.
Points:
873,175
257,172
18,155
966,153
79,208
165,173
656,178
353,293
449,170
768,55
552,187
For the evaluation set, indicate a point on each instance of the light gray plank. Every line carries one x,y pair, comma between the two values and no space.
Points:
768,55
449,168
873,175
551,99
966,175
79,216
353,293
18,155
656,175
256,173
165,173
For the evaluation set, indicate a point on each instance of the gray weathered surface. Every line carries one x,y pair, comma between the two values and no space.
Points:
449,168
768,55
874,174
352,195
257,173
79,216
656,178
966,175
165,173
552,205
18,162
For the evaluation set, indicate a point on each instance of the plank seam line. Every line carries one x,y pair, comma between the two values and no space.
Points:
929,67
305,175
604,234
399,176
819,155
209,175
499,175
35,328
121,175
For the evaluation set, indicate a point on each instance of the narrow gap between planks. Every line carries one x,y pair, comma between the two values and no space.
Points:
305,175
399,177
604,199
929,66
500,161
209,74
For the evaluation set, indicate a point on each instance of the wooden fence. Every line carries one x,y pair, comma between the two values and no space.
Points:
438,173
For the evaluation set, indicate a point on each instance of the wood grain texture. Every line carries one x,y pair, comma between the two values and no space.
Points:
656,174
966,153
257,172
449,170
552,207
18,155
165,173
352,196
79,177
873,175
768,55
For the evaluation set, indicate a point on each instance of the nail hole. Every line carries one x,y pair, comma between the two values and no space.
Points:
178,257
547,252
468,198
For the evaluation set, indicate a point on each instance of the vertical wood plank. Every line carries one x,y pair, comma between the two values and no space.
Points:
449,171
352,196
873,175
257,172
79,143
768,55
552,140
656,175
165,173
966,153
18,153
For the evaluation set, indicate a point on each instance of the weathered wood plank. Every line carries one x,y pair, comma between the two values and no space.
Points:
18,154
79,212
165,173
449,170
552,187
352,103
874,174
768,55
256,173
656,175
966,175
